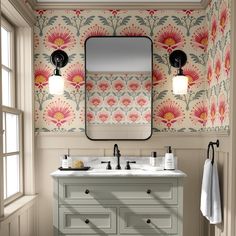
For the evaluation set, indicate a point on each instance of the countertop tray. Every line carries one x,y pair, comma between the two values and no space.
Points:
79,169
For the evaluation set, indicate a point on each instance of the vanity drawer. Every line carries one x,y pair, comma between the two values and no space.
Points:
87,220
149,220
72,192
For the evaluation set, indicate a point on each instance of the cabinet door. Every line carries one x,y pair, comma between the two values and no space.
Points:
87,220
148,220
72,192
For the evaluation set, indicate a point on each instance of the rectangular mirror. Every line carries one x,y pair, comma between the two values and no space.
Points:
118,88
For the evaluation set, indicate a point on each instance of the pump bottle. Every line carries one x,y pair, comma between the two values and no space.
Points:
169,160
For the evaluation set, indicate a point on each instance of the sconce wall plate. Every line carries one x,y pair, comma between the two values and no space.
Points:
178,58
59,58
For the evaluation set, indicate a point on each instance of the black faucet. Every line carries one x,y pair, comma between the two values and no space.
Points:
116,152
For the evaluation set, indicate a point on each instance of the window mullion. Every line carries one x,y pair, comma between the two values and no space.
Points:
8,69
7,154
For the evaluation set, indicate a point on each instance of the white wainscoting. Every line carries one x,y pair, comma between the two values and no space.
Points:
20,222
189,148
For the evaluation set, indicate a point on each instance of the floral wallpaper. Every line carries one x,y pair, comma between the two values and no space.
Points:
169,30
118,98
218,65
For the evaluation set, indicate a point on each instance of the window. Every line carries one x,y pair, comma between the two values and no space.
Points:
11,117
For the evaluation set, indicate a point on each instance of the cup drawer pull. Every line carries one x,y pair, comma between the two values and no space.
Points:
148,221
149,191
86,191
86,221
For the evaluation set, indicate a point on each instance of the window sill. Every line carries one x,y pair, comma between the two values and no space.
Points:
17,205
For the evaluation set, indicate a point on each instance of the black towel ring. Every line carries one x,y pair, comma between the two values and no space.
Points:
211,145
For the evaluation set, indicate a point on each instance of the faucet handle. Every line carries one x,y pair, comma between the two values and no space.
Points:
128,164
108,164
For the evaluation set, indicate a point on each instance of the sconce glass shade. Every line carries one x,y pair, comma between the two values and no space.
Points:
56,84
180,84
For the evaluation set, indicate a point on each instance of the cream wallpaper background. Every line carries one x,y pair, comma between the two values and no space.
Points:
203,108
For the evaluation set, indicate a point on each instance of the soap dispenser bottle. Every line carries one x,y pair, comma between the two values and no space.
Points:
169,160
64,162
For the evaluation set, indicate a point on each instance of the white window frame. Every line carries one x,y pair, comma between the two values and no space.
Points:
5,24
12,109
19,113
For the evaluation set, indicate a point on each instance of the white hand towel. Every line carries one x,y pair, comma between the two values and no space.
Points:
216,216
206,189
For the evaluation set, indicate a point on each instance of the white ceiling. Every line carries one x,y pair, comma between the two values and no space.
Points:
158,1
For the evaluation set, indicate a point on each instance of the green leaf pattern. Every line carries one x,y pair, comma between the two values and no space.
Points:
151,24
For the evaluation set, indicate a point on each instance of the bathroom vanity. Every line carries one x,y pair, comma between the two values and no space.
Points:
118,202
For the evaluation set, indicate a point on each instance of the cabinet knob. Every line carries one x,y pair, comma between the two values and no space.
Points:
86,191
149,191
148,221
86,221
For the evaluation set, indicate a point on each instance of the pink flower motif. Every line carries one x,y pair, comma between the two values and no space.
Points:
227,60
89,85
148,85
193,75
188,12
75,76
147,116
169,112
103,86
223,18
141,101
158,76
133,116
169,38
209,74
96,101
213,111
133,86
132,31
94,30
78,11
200,38
118,86
59,112
213,29
59,37
103,116
111,101
126,101
222,108
218,68
41,75
114,12
151,11
40,12
199,113
90,116
118,116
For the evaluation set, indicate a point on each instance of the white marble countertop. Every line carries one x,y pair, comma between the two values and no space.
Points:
118,173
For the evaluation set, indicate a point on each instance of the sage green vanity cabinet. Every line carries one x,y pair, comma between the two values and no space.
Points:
118,206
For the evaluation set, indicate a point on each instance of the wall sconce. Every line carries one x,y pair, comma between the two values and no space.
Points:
179,82
56,82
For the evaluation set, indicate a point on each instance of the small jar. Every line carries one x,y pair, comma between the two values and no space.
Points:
153,159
